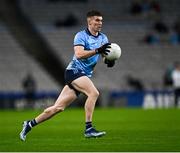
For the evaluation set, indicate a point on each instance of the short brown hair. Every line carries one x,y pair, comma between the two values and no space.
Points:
93,13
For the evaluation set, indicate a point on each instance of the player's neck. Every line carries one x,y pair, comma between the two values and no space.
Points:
94,33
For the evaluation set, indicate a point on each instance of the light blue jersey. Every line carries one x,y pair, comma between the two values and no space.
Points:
90,42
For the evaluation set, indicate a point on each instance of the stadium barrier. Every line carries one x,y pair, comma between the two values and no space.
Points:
144,99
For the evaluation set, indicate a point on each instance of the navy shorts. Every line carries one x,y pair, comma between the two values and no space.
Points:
71,75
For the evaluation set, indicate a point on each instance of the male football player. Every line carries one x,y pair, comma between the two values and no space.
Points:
89,44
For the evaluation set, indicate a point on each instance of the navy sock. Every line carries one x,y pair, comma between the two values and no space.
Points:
88,125
32,123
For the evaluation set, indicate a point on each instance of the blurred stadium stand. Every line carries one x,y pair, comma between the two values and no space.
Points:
15,64
140,60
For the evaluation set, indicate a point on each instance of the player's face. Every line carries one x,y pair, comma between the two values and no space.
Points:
95,23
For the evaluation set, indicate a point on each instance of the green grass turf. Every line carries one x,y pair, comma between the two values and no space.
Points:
127,130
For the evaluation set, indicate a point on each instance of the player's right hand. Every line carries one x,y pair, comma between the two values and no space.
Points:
103,49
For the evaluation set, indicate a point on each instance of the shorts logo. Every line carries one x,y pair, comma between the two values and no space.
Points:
75,71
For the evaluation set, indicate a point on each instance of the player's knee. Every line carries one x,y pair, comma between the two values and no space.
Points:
94,93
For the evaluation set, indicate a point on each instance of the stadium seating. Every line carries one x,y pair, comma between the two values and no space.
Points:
142,61
145,62
15,64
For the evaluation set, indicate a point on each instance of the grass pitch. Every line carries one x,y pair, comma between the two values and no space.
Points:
127,130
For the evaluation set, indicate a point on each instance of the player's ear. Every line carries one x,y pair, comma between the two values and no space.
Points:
89,20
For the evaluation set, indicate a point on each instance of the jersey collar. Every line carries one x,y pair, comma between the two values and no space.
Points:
89,33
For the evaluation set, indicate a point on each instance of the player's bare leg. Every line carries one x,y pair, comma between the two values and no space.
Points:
85,85
66,97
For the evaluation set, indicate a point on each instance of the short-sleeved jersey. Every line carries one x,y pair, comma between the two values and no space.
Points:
90,42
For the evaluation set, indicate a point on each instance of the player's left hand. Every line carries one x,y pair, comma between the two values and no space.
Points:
109,63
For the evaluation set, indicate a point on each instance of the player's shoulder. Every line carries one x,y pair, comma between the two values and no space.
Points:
102,34
81,33
103,37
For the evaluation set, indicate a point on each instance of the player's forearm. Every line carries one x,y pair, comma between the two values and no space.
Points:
85,54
